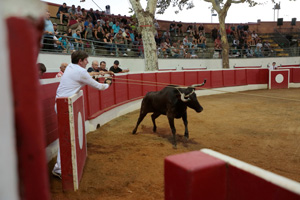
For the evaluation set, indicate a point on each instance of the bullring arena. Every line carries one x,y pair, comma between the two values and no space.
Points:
248,132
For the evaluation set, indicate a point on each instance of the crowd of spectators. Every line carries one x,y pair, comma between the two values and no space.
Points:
119,34
85,27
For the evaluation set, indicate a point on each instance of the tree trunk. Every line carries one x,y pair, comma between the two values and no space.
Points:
225,46
147,30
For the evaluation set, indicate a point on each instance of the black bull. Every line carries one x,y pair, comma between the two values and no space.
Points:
173,102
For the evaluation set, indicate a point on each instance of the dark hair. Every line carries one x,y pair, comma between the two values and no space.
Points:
42,67
102,62
78,55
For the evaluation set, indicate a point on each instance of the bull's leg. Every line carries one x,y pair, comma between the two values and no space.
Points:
154,116
171,123
141,117
185,122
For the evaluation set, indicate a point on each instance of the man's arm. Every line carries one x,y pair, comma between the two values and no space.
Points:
87,79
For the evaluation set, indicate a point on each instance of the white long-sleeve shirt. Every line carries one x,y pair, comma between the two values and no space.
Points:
74,78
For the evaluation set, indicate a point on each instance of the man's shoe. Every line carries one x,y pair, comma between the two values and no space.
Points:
56,174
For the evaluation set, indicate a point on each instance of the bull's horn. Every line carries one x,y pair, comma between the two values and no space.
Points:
199,85
184,99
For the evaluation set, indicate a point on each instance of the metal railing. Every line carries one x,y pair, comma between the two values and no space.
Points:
97,48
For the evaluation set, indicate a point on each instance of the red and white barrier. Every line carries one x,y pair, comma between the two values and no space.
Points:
207,174
279,79
73,150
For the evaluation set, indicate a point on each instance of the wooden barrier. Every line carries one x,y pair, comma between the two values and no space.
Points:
279,79
207,174
73,150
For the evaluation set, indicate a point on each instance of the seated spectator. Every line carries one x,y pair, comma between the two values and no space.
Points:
259,44
78,11
77,39
174,50
94,67
62,68
116,69
116,27
84,13
76,24
141,49
127,39
166,35
87,23
182,52
89,32
189,28
202,43
218,43
258,52
235,42
108,43
62,13
179,26
99,34
120,43
72,12
196,37
156,25
91,15
255,37
107,28
201,29
186,42
41,69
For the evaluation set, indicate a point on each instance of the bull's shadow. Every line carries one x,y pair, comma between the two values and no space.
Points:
165,133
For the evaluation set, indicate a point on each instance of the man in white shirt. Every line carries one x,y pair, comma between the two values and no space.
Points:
74,78
273,66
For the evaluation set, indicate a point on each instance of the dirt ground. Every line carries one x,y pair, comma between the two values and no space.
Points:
249,126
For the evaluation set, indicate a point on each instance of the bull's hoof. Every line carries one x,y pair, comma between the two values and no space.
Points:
154,130
134,132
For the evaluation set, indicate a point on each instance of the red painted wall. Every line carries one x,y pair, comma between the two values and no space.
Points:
97,102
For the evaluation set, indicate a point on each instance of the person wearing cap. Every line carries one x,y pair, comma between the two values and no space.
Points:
74,78
116,69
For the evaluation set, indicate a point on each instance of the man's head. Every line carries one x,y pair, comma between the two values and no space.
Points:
95,65
64,5
63,66
103,65
274,63
42,69
116,64
80,58
78,32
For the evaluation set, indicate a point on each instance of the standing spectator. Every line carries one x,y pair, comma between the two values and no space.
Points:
48,42
103,68
255,37
189,28
94,68
74,78
273,66
214,33
156,25
107,28
116,69
62,68
179,26
218,43
258,52
62,13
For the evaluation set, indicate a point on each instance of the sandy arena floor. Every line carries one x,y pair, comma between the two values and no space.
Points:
261,131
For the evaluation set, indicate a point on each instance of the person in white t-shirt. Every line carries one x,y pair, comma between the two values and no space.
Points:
74,78
273,66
